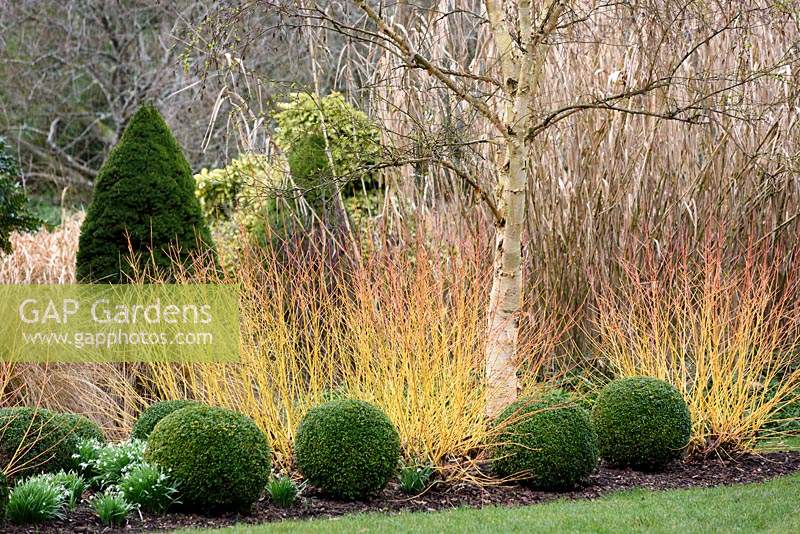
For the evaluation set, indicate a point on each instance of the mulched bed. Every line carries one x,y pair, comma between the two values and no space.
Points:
693,472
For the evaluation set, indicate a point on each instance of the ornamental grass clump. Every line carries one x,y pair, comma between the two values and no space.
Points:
414,478
402,330
347,448
641,422
72,485
282,491
547,443
220,459
111,508
725,334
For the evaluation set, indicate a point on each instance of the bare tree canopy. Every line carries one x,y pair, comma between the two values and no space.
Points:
526,99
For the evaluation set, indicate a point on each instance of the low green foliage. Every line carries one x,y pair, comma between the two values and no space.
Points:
787,418
414,478
115,460
641,422
111,508
35,500
3,494
347,448
15,213
150,488
72,484
83,427
155,413
35,440
219,458
548,443
86,455
282,491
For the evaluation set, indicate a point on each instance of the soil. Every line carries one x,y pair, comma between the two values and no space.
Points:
692,472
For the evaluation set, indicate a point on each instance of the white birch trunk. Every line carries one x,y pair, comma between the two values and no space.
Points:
521,68
505,300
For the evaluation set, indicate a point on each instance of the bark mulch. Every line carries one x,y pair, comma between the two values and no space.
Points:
693,472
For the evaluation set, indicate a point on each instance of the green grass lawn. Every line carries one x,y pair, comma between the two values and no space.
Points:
786,443
770,507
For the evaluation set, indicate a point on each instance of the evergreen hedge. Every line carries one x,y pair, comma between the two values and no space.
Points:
15,215
36,440
219,458
154,413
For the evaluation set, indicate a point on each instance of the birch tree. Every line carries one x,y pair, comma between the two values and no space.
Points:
670,77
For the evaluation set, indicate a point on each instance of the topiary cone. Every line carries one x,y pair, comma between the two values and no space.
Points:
143,203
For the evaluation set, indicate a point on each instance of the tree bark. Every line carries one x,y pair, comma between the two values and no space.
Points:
505,300
522,66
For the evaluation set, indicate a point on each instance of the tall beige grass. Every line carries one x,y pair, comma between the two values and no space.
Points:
602,183
45,256
104,393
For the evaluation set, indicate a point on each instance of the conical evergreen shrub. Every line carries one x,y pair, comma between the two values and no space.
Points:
143,203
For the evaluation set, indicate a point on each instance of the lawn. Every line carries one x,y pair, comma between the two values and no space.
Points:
773,506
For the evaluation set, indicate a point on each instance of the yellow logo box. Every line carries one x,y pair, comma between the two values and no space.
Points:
105,323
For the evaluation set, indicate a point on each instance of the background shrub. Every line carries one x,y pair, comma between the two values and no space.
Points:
347,448
38,441
155,413
243,195
239,191
641,422
144,203
219,458
354,139
548,442
15,214
82,427
3,495
310,169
